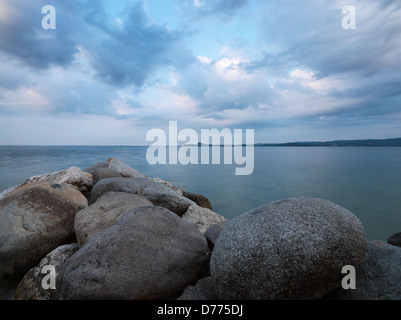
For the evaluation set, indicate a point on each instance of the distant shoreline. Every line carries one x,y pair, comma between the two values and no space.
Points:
395,142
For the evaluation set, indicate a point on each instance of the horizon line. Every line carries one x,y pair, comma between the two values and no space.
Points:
198,144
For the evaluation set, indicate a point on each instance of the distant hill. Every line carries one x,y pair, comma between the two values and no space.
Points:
338,143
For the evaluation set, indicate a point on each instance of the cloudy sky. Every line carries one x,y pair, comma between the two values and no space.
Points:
113,70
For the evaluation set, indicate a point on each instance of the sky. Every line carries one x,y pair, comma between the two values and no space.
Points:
111,71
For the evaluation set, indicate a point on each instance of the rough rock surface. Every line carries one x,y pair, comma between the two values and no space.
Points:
30,288
104,213
73,176
203,218
378,277
170,185
95,166
123,169
157,193
35,219
103,173
289,249
149,253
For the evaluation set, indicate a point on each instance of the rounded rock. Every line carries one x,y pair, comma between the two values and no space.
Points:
104,213
287,250
148,254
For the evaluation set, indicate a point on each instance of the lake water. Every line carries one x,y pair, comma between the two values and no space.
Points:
366,181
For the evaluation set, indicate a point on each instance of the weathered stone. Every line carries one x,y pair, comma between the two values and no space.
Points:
289,249
378,277
395,240
123,169
128,185
149,253
170,185
163,196
73,176
35,219
157,193
103,173
203,218
104,213
200,200
203,290
30,288
95,166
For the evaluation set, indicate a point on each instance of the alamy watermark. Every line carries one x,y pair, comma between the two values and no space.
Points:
49,280
348,21
193,147
49,20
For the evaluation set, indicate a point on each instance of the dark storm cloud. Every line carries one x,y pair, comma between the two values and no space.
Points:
22,35
127,54
119,54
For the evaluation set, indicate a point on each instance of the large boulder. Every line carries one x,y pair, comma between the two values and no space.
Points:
104,173
165,197
203,218
170,185
30,287
378,277
104,213
157,193
95,166
149,253
35,219
289,249
73,176
123,169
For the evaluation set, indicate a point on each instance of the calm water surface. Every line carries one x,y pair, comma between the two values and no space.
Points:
366,181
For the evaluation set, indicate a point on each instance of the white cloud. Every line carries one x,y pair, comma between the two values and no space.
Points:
197,3
204,59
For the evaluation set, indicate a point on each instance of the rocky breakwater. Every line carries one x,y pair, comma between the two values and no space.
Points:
111,232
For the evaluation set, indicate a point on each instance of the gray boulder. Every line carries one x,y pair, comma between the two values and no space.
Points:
395,240
203,218
157,193
148,254
378,277
34,220
128,185
73,176
30,287
123,169
203,290
287,250
169,184
95,166
165,197
104,213
103,173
